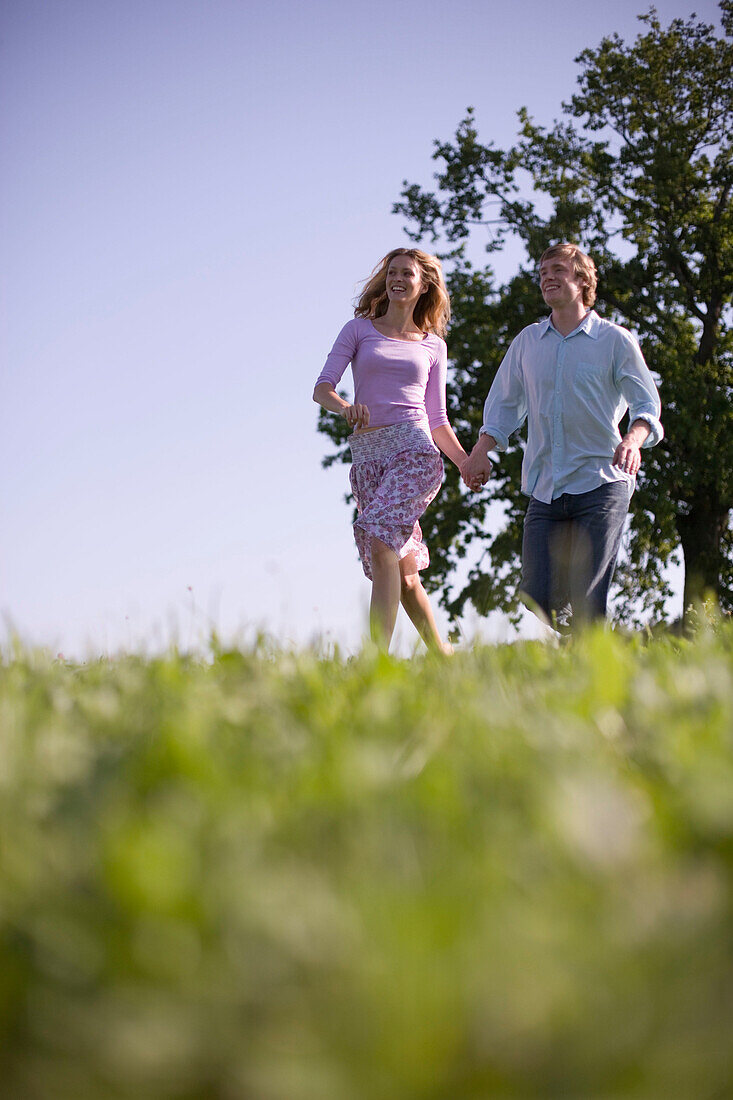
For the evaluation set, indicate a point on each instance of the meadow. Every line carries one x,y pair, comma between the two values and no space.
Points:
269,875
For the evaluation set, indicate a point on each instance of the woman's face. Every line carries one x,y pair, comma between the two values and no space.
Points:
404,280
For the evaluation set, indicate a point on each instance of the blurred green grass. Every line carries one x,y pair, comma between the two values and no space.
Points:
279,876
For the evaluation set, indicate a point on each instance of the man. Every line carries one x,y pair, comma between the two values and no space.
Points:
572,376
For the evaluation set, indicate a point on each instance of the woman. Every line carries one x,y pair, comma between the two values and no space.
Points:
398,360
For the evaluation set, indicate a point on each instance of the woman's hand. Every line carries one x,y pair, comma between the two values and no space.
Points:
356,416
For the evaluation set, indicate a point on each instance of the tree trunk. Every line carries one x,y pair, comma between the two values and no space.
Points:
701,531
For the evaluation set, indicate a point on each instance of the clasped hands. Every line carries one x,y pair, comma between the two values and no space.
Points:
476,470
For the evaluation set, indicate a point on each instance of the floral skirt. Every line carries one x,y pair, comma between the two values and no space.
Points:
396,472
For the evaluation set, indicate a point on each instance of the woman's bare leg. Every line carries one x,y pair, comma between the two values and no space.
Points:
417,605
385,593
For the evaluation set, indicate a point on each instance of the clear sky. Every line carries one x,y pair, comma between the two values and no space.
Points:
191,191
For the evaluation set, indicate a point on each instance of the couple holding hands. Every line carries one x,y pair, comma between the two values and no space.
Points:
572,376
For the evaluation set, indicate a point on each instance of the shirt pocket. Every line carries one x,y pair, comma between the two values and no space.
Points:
590,378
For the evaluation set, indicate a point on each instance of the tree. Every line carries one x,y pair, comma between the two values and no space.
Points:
639,174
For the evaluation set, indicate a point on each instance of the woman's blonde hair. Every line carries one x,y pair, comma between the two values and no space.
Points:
432,311
583,268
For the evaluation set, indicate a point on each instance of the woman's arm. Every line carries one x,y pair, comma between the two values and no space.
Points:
339,357
435,407
445,438
356,416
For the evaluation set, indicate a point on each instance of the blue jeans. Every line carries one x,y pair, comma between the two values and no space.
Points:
569,553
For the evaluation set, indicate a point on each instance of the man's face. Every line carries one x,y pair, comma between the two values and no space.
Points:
559,284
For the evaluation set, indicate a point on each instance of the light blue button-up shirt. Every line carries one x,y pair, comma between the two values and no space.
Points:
573,390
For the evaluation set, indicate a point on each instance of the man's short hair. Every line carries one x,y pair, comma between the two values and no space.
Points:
584,268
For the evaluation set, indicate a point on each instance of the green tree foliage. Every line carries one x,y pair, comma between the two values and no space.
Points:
639,173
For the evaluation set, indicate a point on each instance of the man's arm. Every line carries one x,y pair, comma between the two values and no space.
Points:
505,409
636,385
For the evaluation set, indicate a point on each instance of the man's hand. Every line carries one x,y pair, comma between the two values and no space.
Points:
476,469
627,455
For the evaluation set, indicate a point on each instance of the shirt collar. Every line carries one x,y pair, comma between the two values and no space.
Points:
589,325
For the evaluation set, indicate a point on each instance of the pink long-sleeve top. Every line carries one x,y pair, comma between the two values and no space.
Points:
401,381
